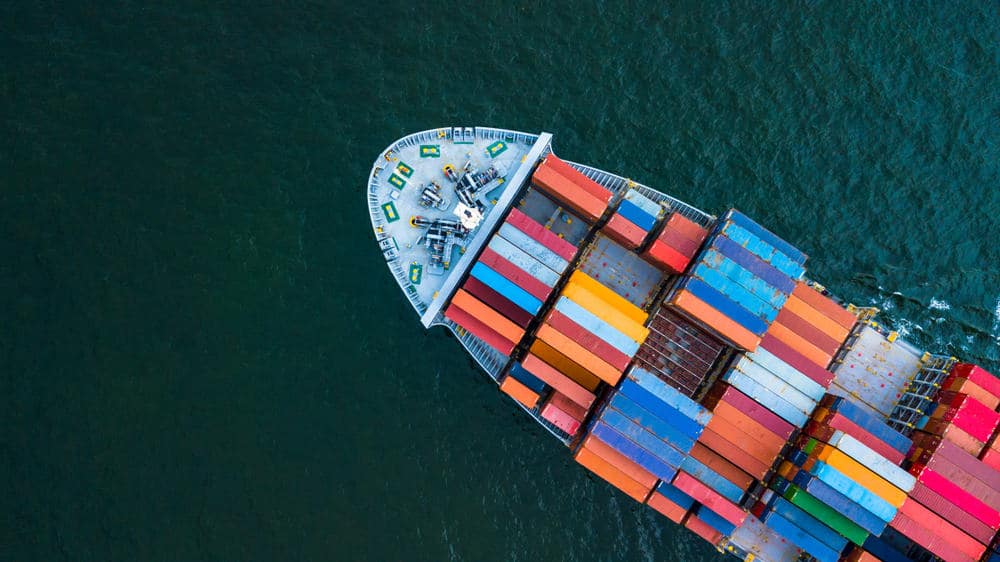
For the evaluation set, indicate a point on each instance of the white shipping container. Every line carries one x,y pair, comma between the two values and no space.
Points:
771,382
518,257
789,374
552,260
873,461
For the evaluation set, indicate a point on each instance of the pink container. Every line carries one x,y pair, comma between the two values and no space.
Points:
838,421
942,529
540,234
964,500
951,512
709,498
560,419
978,375
923,536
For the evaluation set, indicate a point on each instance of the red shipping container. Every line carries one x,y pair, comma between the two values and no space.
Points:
687,227
540,234
955,434
702,529
965,386
964,500
942,529
944,466
991,458
754,409
557,380
824,304
564,325
806,366
515,275
477,328
964,461
560,419
924,537
951,512
969,414
561,401
498,302
838,422
709,498
678,241
623,231
577,177
671,510
568,193
666,258
811,333
625,465
978,375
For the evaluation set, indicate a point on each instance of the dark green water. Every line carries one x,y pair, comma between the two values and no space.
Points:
203,356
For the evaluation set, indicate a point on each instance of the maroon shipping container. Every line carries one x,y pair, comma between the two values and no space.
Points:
497,302
602,349
838,421
805,365
811,333
542,235
678,351
515,274
924,537
951,512
750,407
944,466
963,460
479,329
678,241
969,414
929,531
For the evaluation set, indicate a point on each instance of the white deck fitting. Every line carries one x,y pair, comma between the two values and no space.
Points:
875,371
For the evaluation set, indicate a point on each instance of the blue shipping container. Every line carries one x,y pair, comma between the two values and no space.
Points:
800,538
669,491
633,452
752,303
745,278
754,264
766,235
839,502
505,287
809,524
883,551
670,395
670,415
636,216
854,491
761,249
766,398
588,321
715,521
712,479
527,379
872,424
725,305
643,438
651,423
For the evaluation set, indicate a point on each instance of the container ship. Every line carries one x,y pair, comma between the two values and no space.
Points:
688,359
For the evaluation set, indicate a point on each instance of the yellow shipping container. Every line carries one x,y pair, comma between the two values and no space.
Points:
607,295
862,475
618,319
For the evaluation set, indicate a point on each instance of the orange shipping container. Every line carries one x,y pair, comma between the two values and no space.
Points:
565,365
488,316
991,458
809,332
617,318
612,475
719,322
862,475
584,358
822,322
825,305
568,193
623,231
750,426
764,453
605,293
577,177
513,388
720,465
799,344
671,510
739,457
702,529
627,466
557,380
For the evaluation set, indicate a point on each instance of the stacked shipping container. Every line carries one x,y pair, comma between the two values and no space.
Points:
740,280
635,218
676,245
571,188
679,351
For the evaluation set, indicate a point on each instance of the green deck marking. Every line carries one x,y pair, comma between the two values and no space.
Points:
397,182
389,210
416,273
404,170
496,149
430,151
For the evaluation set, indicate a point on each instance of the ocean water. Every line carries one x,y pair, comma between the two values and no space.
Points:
203,356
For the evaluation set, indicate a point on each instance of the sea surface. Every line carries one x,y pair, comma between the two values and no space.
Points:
203,356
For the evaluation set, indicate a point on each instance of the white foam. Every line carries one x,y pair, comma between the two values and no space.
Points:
939,305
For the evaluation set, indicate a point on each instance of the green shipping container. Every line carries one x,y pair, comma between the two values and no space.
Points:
826,514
